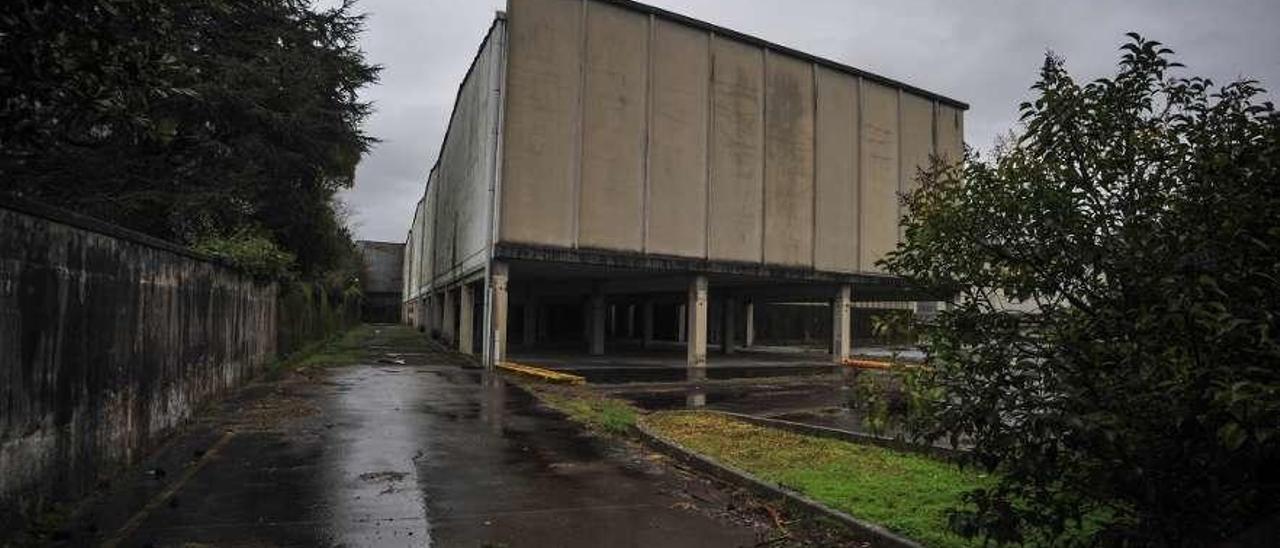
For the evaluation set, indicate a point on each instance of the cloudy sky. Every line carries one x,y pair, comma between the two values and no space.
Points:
983,52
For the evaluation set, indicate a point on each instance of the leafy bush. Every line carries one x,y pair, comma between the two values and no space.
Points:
251,251
1111,349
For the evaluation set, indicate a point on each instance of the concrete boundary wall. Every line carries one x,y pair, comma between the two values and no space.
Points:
110,339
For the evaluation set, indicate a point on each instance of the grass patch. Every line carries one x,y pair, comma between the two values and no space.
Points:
401,337
907,493
597,412
354,346
345,349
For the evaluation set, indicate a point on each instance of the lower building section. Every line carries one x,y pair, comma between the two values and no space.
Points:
523,308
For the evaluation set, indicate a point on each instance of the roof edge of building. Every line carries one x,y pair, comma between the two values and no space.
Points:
760,42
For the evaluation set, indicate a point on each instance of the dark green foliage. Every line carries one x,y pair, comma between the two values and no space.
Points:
252,251
186,118
1137,222
311,312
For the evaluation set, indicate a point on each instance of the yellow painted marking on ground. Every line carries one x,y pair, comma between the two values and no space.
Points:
875,364
542,374
168,492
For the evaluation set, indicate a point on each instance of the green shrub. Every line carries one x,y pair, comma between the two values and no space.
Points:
1111,348
249,250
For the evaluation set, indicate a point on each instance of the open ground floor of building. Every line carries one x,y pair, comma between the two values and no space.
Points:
624,322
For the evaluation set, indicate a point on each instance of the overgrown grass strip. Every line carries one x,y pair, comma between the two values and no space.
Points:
907,493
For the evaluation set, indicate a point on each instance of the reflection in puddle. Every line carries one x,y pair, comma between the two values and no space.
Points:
695,398
494,400
373,486
832,401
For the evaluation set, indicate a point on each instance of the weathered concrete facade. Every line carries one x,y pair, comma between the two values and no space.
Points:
627,150
632,130
109,339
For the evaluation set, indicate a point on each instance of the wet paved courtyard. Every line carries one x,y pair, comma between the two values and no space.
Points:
424,453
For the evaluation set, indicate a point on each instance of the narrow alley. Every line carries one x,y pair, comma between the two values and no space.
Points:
383,453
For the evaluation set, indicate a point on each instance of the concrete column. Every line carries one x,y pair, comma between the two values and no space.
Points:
426,312
728,335
424,320
437,313
749,318
450,323
682,315
630,320
586,322
530,320
598,313
697,325
646,335
466,304
498,281
840,307
544,323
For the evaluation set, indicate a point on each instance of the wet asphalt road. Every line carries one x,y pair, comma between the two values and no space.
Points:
421,454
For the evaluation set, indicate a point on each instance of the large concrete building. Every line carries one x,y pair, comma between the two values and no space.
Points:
614,173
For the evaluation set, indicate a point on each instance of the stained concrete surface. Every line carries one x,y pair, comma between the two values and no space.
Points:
425,453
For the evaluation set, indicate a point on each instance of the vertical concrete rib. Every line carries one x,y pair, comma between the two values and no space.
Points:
711,141
648,138
764,148
901,176
813,213
859,203
578,123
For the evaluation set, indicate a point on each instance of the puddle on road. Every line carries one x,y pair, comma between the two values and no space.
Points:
374,489
830,402
623,375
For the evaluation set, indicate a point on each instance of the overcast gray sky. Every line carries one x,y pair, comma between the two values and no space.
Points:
985,53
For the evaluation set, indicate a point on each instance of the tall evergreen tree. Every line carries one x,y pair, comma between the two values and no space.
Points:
191,120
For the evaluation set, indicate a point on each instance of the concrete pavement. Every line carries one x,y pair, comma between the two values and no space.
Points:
421,454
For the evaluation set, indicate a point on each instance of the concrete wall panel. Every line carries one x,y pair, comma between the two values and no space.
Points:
426,251
917,139
677,216
416,263
788,182
836,206
611,206
737,148
880,174
627,130
950,128
464,175
541,138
